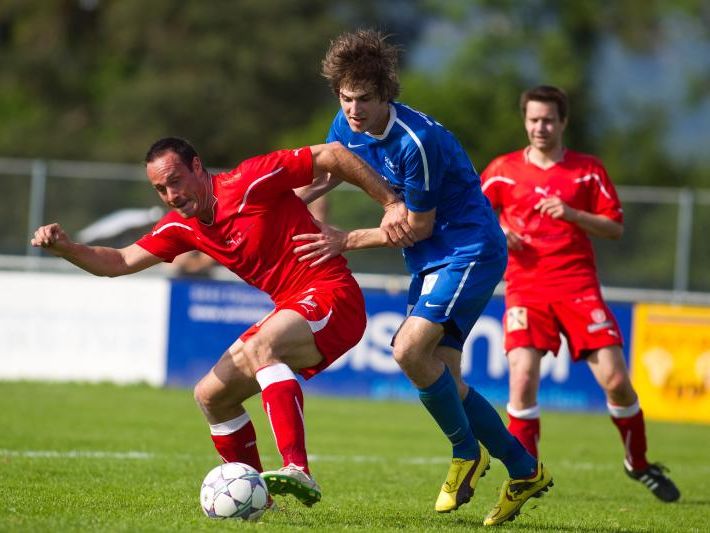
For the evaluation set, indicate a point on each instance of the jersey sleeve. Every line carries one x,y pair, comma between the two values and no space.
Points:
168,239
603,198
273,174
492,188
422,174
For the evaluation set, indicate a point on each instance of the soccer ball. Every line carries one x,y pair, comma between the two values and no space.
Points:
234,490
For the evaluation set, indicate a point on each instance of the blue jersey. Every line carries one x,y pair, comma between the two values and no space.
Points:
429,169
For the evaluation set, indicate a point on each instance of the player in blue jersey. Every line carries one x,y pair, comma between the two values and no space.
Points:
457,259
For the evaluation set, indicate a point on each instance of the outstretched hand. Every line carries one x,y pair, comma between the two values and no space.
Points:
52,237
321,246
396,226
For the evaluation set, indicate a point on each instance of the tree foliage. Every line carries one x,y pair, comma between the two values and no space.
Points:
96,79
102,79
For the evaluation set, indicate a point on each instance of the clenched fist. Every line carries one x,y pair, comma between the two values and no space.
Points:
52,237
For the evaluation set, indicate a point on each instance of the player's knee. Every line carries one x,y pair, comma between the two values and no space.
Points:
254,354
618,385
202,396
405,353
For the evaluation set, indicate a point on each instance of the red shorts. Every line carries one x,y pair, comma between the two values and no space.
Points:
336,315
585,320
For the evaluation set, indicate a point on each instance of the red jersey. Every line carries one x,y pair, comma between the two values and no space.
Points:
256,213
557,256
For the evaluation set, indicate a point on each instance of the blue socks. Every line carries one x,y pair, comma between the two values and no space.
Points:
496,438
441,399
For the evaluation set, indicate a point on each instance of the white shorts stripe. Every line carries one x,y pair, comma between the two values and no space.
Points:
459,288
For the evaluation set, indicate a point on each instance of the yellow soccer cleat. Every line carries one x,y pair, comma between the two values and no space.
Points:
461,482
515,492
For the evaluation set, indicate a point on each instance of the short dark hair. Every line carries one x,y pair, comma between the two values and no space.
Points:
546,93
181,147
361,57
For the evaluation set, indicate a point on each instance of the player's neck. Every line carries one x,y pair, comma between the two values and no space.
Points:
206,216
545,158
381,125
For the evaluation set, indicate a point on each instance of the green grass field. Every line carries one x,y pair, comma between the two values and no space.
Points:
107,458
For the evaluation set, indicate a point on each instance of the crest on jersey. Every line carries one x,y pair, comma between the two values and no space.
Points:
516,319
390,165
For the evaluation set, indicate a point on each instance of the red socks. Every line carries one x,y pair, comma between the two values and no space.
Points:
282,398
235,441
524,424
629,421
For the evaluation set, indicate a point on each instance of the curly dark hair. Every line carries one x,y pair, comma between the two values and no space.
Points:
360,58
549,94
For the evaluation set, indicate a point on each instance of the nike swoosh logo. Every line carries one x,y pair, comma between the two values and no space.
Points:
355,145
427,304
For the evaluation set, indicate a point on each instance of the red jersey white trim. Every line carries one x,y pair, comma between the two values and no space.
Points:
255,183
495,179
557,256
170,225
253,228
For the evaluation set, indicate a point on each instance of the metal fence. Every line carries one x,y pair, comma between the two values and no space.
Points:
664,246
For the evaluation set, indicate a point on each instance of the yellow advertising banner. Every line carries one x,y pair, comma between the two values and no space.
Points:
670,361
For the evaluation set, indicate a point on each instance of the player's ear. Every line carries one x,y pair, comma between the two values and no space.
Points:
196,164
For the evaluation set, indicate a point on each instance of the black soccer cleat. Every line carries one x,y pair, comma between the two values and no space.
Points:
656,481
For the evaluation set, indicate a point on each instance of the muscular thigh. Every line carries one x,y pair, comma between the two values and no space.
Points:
283,337
332,320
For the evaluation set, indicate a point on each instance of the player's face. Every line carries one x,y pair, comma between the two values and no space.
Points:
181,188
543,125
364,110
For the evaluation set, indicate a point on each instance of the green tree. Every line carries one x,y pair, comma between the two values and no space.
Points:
102,79
507,46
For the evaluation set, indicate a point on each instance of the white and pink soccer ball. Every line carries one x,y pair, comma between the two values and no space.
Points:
234,490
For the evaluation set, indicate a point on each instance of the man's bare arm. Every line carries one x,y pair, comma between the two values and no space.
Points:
593,224
322,184
97,260
336,160
332,242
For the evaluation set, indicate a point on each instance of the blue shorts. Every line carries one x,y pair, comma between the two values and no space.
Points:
455,295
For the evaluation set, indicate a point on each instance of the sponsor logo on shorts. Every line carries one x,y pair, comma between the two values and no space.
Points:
429,304
598,316
593,328
308,304
516,319
428,283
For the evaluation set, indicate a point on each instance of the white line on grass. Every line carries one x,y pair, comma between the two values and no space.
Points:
76,454
564,464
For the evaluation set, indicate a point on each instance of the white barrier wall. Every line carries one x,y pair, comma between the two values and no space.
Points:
61,327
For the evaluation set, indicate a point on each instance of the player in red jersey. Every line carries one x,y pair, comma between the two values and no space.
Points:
550,200
245,219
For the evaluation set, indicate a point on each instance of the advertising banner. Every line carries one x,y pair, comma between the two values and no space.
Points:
671,363
207,316
76,327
